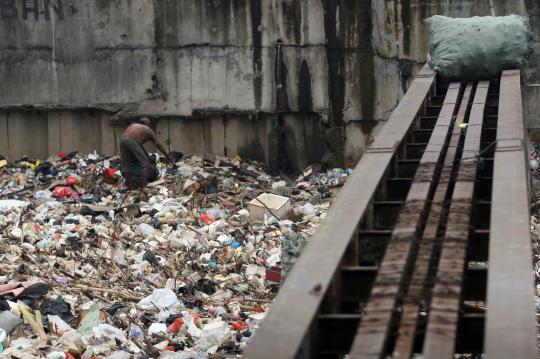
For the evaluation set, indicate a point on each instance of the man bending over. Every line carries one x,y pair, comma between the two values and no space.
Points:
136,166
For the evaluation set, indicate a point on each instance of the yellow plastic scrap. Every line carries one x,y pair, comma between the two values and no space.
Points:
36,323
33,167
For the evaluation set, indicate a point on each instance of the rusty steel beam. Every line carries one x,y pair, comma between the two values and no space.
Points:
283,330
415,296
510,330
373,332
446,298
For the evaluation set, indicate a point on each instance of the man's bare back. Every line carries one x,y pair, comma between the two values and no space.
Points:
140,133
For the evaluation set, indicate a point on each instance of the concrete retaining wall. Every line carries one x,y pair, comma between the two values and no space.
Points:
284,81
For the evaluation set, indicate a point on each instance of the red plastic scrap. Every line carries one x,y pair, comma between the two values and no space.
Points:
71,180
63,192
206,219
110,173
260,261
175,326
62,154
239,326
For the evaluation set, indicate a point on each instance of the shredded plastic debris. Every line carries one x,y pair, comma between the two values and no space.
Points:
181,269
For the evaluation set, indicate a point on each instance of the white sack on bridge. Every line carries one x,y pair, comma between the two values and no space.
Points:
477,47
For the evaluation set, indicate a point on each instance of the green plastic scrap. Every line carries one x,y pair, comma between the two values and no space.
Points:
478,47
90,320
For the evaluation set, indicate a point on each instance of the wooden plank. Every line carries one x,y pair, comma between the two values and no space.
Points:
444,309
4,134
88,122
372,334
241,137
25,125
415,293
75,129
163,134
68,140
511,326
214,135
109,138
298,300
301,133
186,135
54,133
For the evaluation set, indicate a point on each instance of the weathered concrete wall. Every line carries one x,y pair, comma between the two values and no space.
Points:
283,81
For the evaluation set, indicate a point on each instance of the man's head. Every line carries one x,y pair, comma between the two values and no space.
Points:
145,121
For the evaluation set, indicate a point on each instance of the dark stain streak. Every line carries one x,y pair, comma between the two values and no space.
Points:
366,61
304,88
281,74
218,19
256,15
406,23
405,70
292,19
335,57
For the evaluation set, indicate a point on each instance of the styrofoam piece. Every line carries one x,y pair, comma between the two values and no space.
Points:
260,206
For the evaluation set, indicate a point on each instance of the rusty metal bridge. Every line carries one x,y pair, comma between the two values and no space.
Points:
427,248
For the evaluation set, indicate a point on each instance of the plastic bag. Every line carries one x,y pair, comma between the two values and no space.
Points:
8,204
161,299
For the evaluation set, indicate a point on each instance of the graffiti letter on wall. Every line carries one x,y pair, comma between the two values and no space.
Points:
8,10
26,9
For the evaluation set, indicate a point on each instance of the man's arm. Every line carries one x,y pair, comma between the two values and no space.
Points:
162,149
158,144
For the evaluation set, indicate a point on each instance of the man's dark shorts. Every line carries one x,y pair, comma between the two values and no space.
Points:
133,160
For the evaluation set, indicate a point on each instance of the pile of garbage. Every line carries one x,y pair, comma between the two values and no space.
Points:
185,268
534,166
534,160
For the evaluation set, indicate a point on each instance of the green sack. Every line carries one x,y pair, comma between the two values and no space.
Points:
478,47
